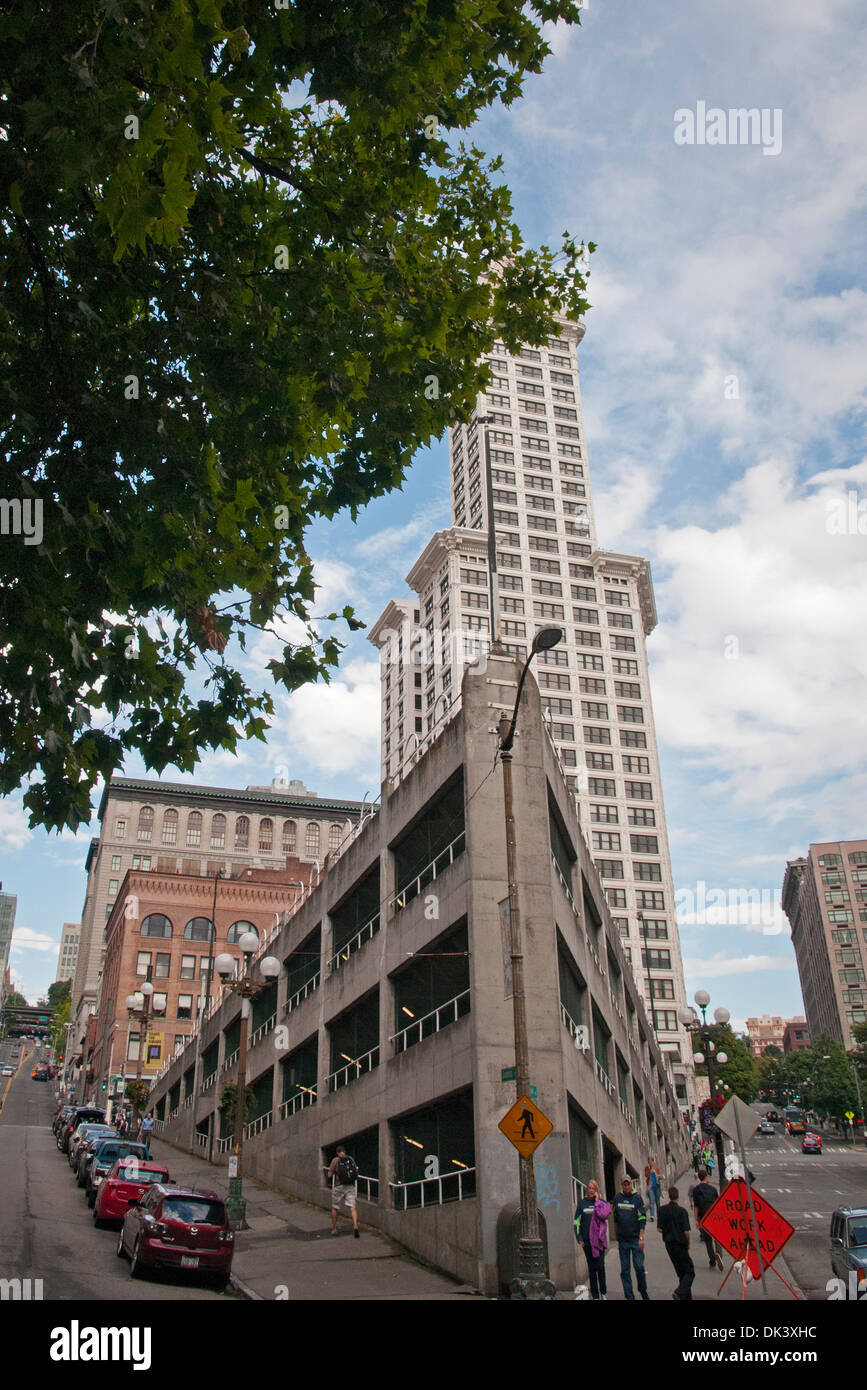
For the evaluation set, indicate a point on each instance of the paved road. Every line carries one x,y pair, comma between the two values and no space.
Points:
46,1226
806,1188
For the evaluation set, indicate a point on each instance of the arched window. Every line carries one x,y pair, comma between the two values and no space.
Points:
242,832
194,828
238,929
198,929
266,836
290,831
312,844
170,828
218,832
146,823
335,835
155,924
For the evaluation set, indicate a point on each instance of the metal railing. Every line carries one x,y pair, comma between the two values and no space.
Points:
433,1022
188,1100
297,1102
231,1059
356,1067
208,1082
603,1076
368,1188
201,1140
224,1145
431,1192
578,1032
259,1126
579,1190
355,943
399,900
263,1030
564,882
301,994
630,1119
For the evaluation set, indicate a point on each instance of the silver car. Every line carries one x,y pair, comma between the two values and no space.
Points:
849,1249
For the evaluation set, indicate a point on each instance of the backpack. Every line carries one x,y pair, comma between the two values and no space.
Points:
347,1170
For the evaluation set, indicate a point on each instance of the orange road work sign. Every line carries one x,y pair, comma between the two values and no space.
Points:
730,1222
525,1126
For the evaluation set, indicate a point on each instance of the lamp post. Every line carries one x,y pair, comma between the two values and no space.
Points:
247,988
532,1281
140,1012
705,1030
204,1011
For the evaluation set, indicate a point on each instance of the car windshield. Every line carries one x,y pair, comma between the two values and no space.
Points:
143,1176
194,1211
858,1232
113,1151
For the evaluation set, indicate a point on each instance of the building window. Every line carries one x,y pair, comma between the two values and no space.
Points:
615,897
644,844
311,844
601,786
170,828
335,833
142,861
115,862
145,824
239,929
609,868
194,828
603,839
188,967
185,1006
120,829
199,929
162,965
158,1004
592,734
142,962
648,873
266,835
133,1046
156,924
242,832
218,832
665,1020
646,897
112,887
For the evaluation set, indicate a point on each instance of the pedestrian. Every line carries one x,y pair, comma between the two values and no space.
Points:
709,1164
146,1129
702,1196
674,1229
343,1172
654,1192
629,1221
591,1232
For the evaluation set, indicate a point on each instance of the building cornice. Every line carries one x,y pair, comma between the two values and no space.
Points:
134,789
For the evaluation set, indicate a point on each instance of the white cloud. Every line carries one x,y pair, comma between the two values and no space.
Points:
14,830
26,939
720,964
335,727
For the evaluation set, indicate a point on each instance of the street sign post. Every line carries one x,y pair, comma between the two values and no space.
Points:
525,1126
730,1221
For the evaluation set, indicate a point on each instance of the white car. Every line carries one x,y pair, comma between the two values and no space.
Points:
8,1071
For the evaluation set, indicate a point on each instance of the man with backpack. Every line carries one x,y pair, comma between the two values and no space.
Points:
343,1172
703,1195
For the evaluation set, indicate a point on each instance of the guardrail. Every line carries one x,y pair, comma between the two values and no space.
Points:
259,1126
201,1140
301,994
579,1032
263,1030
355,943
354,1068
368,1188
440,1020
297,1102
425,1187
411,889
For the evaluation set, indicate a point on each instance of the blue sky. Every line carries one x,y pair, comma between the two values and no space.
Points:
723,378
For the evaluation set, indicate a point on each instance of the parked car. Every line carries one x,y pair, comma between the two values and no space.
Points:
849,1249
103,1159
178,1228
81,1112
125,1184
60,1118
86,1151
765,1127
8,1071
811,1144
85,1131
772,1116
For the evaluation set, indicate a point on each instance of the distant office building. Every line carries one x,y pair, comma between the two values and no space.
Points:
8,904
181,828
68,951
796,1036
825,900
767,1031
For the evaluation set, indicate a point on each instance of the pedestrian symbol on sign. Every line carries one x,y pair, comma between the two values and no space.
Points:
527,1117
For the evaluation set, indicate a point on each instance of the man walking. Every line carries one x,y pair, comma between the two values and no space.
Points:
629,1221
343,1172
146,1130
703,1195
674,1229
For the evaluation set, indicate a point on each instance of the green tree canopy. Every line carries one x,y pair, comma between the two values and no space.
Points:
59,991
250,266
15,1000
740,1072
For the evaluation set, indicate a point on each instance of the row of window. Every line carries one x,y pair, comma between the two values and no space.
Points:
857,856
197,929
218,832
644,897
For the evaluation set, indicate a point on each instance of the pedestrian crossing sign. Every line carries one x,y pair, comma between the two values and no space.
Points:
525,1126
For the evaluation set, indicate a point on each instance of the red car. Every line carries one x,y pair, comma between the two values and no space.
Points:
812,1144
126,1183
178,1228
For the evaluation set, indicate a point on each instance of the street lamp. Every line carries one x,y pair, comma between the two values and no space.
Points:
705,1030
138,1007
532,1281
247,988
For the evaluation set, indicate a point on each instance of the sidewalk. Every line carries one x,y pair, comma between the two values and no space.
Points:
290,1253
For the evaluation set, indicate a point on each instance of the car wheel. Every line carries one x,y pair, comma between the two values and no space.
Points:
98,1222
80,1180
220,1282
91,1196
135,1264
120,1252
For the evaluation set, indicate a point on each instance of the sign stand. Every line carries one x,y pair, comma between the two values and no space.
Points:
742,1148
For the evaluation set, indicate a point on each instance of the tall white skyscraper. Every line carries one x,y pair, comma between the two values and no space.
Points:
521,465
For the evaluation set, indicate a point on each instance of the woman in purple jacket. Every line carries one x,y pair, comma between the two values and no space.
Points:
591,1232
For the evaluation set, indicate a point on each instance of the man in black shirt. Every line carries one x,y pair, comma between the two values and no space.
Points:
674,1229
703,1195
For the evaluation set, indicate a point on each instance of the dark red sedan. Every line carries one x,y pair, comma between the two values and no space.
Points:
127,1182
178,1228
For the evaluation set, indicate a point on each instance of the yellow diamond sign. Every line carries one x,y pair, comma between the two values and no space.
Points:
525,1126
